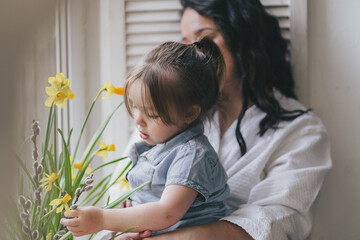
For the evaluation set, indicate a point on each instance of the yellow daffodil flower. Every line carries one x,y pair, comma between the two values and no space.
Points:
104,149
61,203
123,183
49,181
59,91
79,166
110,89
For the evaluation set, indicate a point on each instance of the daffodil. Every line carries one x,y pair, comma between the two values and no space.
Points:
110,89
49,181
123,183
59,91
79,166
104,149
61,203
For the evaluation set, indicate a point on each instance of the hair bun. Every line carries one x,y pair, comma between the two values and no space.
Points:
199,45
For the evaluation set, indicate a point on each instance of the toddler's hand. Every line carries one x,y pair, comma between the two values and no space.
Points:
84,220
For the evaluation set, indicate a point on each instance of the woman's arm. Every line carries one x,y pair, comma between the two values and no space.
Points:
155,216
211,231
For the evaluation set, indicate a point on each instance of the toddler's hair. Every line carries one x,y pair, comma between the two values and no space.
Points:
176,76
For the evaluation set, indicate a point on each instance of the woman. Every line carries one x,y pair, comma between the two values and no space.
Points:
275,151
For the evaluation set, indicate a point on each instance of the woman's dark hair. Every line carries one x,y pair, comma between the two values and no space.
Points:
254,38
177,76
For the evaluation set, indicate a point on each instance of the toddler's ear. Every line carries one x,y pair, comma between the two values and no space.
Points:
192,113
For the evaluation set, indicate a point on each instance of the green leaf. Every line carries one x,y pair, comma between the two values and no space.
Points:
51,162
67,166
104,180
67,235
92,144
105,164
51,119
103,193
124,197
23,166
82,129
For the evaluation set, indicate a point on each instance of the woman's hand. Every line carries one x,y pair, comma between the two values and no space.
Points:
211,231
84,220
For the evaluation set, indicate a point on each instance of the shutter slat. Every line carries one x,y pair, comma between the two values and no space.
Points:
152,6
157,27
151,38
284,23
154,16
138,50
280,12
271,3
132,61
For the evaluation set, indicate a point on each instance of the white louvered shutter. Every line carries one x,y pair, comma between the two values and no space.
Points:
149,23
281,10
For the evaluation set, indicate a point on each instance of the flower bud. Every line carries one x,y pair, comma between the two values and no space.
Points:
35,234
35,165
88,188
27,223
61,233
22,200
28,205
40,169
73,207
35,154
78,192
89,181
35,127
37,131
24,215
35,178
26,230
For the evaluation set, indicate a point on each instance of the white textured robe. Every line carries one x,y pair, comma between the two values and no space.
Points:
274,186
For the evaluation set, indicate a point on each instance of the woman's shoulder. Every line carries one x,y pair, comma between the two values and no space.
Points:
307,120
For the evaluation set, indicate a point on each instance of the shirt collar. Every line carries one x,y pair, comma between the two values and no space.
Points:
161,150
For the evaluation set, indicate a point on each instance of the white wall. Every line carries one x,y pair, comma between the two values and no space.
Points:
334,83
27,58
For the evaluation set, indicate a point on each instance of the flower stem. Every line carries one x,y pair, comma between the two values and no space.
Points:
83,127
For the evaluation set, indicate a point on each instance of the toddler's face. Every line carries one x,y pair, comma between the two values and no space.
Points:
148,123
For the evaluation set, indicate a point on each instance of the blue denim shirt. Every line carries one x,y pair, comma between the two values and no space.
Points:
188,159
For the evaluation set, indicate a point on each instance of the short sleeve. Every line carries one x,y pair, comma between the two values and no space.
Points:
198,169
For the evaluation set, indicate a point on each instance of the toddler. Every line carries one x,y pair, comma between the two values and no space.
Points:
168,94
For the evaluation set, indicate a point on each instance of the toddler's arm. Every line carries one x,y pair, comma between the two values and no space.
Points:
155,216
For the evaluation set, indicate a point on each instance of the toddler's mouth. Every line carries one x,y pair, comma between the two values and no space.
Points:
143,135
